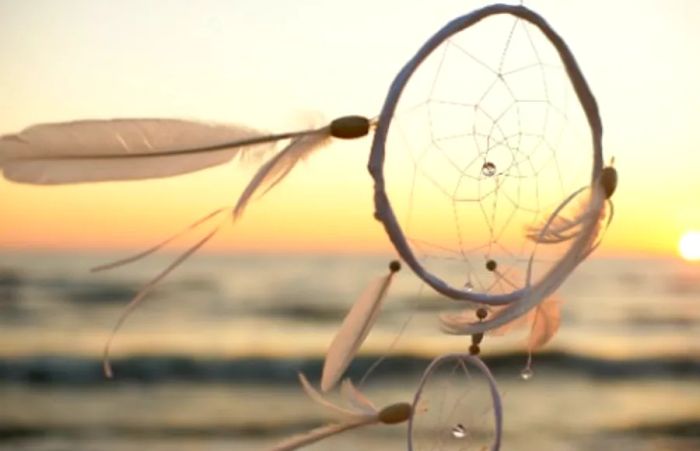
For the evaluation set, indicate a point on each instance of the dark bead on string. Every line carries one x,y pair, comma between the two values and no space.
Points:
476,338
491,265
609,181
481,313
474,350
395,413
394,266
349,127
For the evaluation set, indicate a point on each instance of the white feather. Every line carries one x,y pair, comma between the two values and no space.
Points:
546,318
132,258
356,398
364,415
579,250
141,294
272,172
118,149
316,397
564,225
314,435
353,331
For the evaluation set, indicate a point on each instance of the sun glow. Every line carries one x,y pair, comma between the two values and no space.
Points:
689,245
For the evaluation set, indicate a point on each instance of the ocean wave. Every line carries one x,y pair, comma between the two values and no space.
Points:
208,431
674,428
52,370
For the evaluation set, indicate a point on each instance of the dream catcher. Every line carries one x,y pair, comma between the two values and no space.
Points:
488,179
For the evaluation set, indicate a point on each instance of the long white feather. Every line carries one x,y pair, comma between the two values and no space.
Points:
546,319
132,258
579,250
316,397
543,320
356,398
141,294
364,413
353,331
272,172
120,149
565,225
315,435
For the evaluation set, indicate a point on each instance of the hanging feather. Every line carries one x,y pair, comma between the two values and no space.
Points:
138,298
364,414
122,149
125,261
132,149
318,398
301,146
564,226
545,324
543,320
315,435
581,247
272,172
355,328
355,397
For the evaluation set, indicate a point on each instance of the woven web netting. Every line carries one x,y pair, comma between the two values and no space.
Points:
488,138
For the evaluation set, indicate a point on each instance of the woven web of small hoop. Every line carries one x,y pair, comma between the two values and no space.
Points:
455,410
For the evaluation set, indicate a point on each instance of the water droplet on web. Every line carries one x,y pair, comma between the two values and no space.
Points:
526,374
458,431
488,169
469,287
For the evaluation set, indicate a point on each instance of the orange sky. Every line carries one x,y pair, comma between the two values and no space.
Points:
262,63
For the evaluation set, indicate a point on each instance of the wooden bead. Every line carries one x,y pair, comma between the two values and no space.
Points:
349,127
396,413
609,181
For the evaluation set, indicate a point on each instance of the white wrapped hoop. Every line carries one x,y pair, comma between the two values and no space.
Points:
383,208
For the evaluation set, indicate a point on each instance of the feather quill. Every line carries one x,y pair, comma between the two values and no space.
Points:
353,331
122,149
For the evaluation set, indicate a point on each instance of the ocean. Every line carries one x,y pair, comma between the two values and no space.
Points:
210,360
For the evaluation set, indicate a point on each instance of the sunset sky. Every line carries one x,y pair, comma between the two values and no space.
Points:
272,64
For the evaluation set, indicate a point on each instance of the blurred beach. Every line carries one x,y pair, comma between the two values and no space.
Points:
210,360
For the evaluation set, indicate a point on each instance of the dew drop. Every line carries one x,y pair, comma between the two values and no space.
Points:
526,374
458,431
488,169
